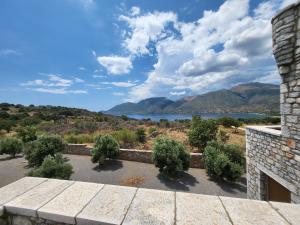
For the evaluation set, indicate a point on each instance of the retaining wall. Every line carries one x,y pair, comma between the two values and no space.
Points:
144,156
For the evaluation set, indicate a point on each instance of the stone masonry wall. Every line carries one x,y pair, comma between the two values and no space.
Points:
144,156
268,155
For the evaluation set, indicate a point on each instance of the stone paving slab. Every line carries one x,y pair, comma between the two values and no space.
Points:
291,212
19,187
249,212
69,203
109,206
193,208
151,207
28,203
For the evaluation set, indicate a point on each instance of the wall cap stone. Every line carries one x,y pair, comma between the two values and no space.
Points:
272,129
149,206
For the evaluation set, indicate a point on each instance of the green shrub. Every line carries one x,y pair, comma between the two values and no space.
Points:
140,135
105,147
170,156
27,134
10,146
36,151
151,130
53,167
224,161
229,122
223,136
79,139
126,138
202,131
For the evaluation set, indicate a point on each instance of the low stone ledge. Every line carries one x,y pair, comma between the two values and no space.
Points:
90,203
273,130
144,156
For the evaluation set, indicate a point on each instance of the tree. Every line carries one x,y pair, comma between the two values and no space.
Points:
53,167
27,134
201,132
229,122
170,156
224,161
37,150
105,147
11,146
140,135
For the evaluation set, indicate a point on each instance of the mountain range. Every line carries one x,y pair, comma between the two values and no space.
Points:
244,98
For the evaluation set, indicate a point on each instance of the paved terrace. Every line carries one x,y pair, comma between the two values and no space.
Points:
33,201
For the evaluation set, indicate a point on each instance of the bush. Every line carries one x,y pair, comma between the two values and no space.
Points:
170,156
224,161
106,147
140,135
223,136
53,167
229,122
126,138
36,151
27,134
79,139
10,146
202,131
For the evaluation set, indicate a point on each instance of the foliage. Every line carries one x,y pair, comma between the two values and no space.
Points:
36,151
10,146
223,136
170,156
79,139
126,138
224,161
151,130
124,117
27,134
201,132
140,135
53,167
6,124
106,147
229,122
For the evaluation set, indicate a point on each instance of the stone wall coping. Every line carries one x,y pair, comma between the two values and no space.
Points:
285,9
91,203
272,129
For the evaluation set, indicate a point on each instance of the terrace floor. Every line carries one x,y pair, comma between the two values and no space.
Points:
130,173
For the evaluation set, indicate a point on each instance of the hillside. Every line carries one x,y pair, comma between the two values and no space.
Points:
251,97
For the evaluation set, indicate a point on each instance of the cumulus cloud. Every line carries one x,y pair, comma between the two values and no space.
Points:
121,84
135,10
229,46
116,65
54,84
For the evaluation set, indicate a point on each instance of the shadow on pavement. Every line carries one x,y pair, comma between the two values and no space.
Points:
109,165
240,186
181,181
8,157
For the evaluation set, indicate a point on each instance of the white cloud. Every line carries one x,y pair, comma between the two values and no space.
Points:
81,68
145,28
78,80
121,84
118,93
94,53
6,52
223,48
116,65
98,76
135,11
58,90
53,80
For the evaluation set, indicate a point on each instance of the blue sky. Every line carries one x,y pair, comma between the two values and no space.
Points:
95,54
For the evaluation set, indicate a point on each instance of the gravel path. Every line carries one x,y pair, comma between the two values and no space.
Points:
130,173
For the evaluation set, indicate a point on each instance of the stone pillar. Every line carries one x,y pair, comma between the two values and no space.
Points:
286,49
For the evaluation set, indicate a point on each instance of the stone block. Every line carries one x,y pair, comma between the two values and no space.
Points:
69,203
19,187
151,207
197,209
291,212
243,211
29,202
109,206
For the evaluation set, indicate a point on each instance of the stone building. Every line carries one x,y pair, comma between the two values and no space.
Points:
273,152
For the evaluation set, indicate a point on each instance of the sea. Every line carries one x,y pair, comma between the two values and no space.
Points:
173,117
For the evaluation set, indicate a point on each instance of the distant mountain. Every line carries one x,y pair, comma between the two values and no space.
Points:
251,97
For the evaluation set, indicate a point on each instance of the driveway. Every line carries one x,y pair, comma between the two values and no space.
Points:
129,173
